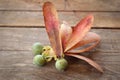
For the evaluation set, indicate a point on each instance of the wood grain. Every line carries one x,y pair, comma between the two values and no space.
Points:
14,38
11,37
35,19
15,43
16,57
79,5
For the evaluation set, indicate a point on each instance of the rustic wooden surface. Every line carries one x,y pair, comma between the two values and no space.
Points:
21,25
35,19
29,12
16,57
80,5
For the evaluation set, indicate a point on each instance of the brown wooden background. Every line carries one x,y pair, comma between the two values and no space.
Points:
21,25
29,12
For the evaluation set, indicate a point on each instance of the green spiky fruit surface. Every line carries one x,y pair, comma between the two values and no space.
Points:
39,60
37,48
61,64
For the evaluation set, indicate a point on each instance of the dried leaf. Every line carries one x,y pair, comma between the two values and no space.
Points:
52,27
80,30
92,63
66,32
89,38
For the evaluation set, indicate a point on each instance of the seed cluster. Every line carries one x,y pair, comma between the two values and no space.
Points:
44,54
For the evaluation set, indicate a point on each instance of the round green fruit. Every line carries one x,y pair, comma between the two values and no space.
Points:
39,60
37,48
61,64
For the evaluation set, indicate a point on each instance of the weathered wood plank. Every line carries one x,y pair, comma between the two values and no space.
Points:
102,19
17,65
16,57
23,38
82,5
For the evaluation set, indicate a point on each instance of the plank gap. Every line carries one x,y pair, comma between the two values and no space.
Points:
15,10
12,26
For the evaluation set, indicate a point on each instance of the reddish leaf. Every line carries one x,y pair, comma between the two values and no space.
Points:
80,30
89,38
66,32
52,27
92,63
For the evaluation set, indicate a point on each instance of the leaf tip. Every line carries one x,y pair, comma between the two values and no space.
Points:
90,18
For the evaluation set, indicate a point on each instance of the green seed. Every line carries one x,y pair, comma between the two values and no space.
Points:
61,64
37,48
39,60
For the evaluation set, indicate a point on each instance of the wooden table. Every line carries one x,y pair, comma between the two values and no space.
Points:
21,25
